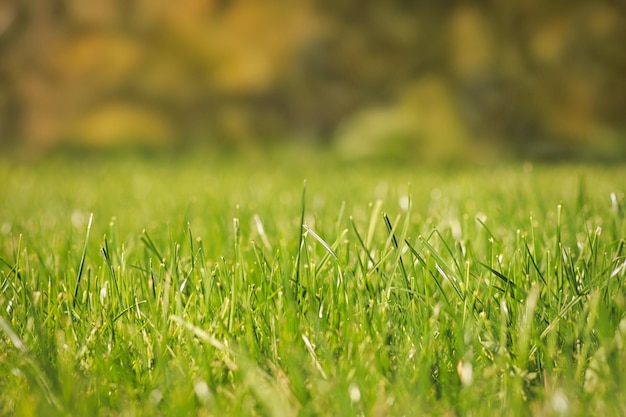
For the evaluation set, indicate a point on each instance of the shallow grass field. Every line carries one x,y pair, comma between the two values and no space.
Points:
198,286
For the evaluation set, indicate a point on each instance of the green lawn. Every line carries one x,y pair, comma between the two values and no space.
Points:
208,287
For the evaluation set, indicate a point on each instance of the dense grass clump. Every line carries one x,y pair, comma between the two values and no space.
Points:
143,287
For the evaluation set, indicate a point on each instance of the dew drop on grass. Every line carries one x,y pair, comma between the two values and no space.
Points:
560,403
455,228
614,203
355,393
103,294
78,219
436,310
156,396
504,307
404,201
466,372
202,391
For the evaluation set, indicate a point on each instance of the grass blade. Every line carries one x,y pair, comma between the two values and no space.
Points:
321,241
82,261
395,244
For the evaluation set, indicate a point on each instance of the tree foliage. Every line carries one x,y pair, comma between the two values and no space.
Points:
534,77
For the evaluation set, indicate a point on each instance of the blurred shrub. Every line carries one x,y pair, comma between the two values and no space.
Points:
431,79
119,124
422,124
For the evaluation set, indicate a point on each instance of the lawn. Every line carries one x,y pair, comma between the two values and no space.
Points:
137,286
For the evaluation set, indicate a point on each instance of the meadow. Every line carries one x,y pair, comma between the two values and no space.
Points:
301,286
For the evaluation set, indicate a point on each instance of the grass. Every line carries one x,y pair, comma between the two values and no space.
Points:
213,288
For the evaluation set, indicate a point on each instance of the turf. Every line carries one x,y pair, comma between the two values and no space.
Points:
135,286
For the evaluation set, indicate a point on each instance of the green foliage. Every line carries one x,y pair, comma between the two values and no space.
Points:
227,288
538,79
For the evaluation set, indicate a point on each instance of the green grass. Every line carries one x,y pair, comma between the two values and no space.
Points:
224,288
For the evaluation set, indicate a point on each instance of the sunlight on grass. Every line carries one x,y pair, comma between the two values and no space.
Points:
181,287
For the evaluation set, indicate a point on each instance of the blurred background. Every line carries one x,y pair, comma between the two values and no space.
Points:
443,81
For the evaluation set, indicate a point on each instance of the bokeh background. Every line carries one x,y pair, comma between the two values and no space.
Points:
437,80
